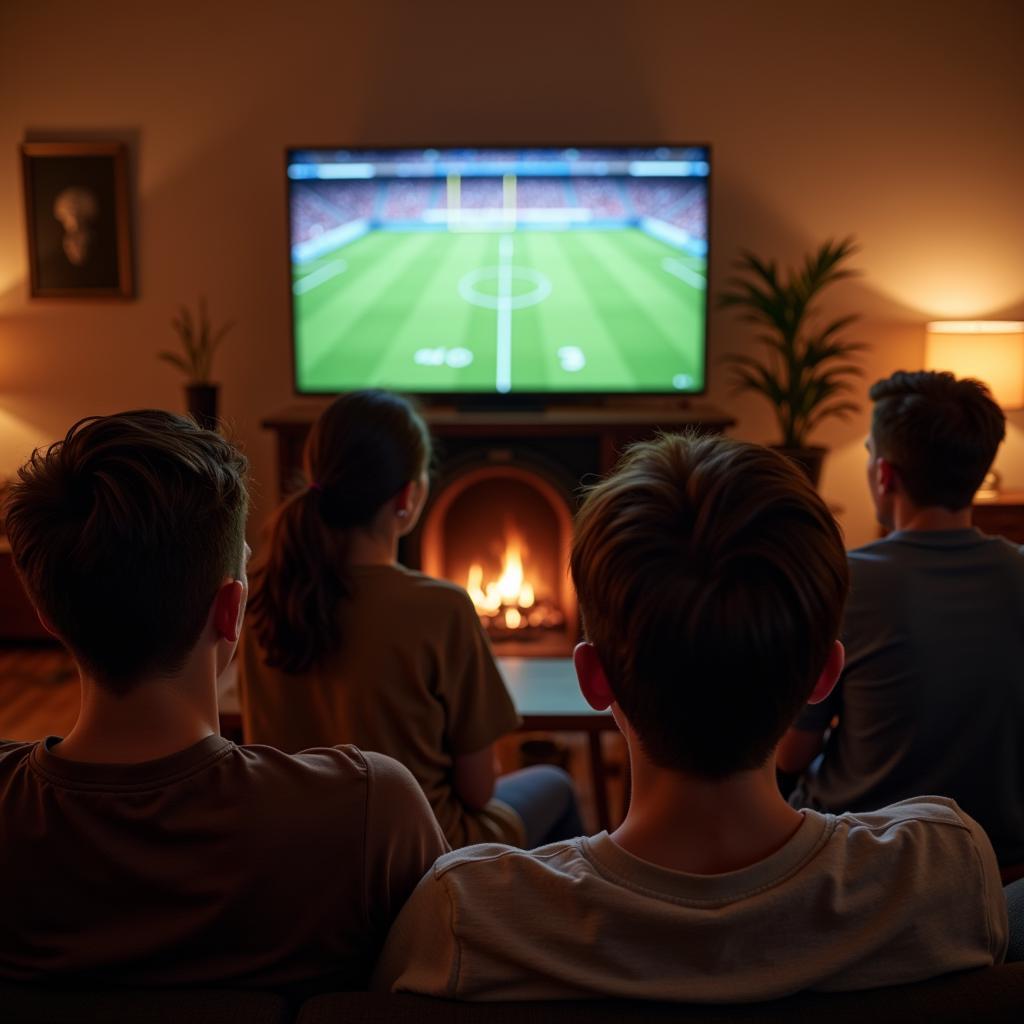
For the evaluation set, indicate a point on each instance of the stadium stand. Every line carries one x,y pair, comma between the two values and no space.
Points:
541,193
480,194
601,196
681,204
320,206
409,200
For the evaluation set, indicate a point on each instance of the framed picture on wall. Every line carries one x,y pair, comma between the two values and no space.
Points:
78,214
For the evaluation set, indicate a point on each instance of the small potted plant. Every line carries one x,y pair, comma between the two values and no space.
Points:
806,369
199,341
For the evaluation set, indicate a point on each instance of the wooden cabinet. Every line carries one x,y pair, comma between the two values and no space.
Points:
584,438
1001,515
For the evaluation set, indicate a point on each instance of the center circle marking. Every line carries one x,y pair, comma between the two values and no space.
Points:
540,291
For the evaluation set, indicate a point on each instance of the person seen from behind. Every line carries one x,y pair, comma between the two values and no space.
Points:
142,849
711,578
931,699
346,645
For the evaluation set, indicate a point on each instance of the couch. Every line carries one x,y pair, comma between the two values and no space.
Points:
993,994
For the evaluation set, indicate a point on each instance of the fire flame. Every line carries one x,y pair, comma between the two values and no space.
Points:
511,590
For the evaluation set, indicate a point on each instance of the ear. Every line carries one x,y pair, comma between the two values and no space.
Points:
409,503
886,476
227,610
594,685
404,500
829,674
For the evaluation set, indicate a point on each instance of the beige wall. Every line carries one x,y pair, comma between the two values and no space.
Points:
898,121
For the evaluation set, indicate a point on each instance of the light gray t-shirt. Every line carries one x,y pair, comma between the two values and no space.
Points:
849,902
932,697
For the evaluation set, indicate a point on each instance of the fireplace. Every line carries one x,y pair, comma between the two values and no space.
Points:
503,531
499,520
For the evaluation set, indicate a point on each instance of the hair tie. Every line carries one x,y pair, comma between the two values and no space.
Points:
314,486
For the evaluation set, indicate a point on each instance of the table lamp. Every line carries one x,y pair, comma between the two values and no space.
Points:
991,351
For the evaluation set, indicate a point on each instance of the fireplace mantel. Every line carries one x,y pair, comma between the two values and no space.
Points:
610,426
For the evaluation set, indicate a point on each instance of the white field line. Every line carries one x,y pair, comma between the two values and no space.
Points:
503,383
324,273
677,268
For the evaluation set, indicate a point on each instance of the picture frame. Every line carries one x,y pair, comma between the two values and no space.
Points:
78,218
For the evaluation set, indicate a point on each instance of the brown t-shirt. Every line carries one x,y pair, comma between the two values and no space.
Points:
413,677
218,865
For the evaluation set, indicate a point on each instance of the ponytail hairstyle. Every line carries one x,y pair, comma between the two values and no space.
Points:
364,448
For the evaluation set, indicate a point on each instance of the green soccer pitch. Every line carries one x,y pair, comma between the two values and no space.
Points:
501,311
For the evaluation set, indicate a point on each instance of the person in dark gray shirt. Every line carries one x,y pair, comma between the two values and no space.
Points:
932,697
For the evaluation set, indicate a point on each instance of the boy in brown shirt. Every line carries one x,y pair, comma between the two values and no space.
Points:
143,848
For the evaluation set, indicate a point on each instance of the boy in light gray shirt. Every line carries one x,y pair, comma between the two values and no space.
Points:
711,578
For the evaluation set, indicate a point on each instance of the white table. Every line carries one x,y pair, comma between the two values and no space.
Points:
548,699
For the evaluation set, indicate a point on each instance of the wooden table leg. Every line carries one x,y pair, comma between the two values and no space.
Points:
599,778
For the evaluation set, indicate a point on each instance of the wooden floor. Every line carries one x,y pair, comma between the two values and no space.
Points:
38,693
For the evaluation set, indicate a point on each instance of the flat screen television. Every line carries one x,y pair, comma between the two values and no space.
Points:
525,272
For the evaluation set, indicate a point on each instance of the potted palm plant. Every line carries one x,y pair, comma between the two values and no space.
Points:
806,368
199,342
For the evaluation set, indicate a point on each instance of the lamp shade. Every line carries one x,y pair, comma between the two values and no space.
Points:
991,351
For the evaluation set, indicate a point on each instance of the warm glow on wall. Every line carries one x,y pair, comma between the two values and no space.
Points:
18,438
990,350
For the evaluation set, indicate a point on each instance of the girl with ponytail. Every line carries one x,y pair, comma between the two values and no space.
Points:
345,645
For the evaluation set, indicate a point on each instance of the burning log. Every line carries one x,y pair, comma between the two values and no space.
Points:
509,606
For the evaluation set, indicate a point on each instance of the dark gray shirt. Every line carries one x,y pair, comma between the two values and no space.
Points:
932,697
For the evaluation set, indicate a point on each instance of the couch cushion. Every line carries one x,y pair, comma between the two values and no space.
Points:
994,994
21,1005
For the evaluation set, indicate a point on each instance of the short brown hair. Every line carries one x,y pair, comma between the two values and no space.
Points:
940,434
122,532
712,579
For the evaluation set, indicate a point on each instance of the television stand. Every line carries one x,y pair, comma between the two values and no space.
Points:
596,433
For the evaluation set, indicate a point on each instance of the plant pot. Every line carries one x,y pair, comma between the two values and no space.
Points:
810,460
201,401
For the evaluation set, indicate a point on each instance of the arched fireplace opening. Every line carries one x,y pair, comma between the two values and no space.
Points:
502,530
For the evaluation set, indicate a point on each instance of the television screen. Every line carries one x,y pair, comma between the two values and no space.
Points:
523,271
